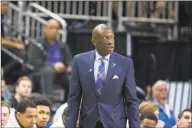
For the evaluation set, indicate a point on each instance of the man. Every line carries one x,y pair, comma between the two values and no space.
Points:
23,89
43,111
160,96
185,119
5,93
5,40
52,62
148,120
5,112
10,42
105,82
25,115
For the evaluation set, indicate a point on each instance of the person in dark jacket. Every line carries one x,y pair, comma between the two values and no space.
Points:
51,58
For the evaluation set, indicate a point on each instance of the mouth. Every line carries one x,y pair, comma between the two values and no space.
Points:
110,48
43,121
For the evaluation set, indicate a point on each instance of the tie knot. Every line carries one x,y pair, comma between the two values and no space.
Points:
102,59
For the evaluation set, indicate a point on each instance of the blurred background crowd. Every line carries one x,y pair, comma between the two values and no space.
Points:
40,38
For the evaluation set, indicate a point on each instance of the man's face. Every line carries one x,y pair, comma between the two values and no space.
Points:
4,115
28,118
52,30
161,92
4,8
43,115
147,123
185,121
104,41
24,88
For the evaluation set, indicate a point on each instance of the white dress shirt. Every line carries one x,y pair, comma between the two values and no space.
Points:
97,63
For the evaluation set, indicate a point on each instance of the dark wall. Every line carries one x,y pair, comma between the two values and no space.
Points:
154,60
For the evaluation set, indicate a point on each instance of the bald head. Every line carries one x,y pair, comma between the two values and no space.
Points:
99,29
53,22
103,39
4,7
51,30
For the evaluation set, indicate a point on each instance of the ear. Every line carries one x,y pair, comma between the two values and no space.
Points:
177,122
18,114
93,41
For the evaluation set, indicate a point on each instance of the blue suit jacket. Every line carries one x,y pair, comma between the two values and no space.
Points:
169,122
118,96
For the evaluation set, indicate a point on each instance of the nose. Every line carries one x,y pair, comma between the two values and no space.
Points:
33,120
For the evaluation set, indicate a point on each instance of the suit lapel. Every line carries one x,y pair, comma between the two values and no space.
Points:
110,71
90,70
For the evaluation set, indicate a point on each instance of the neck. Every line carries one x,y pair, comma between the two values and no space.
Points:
161,103
51,41
40,126
101,54
18,97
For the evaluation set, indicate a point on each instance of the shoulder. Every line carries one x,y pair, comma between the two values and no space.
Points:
122,59
12,122
84,55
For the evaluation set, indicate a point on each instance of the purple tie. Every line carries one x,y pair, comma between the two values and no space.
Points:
100,76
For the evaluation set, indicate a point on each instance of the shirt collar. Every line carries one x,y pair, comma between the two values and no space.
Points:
98,56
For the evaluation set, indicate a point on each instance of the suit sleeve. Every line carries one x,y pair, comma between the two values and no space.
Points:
74,97
131,101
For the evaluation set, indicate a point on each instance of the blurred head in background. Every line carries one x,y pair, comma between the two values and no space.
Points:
5,112
160,92
4,7
148,106
51,30
23,87
2,84
185,119
148,120
2,88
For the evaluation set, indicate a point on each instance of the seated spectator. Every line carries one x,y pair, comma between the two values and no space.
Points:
148,106
55,64
160,96
43,110
25,115
6,41
23,89
10,42
148,120
184,119
5,112
5,93
61,123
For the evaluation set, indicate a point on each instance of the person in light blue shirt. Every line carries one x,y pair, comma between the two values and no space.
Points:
160,96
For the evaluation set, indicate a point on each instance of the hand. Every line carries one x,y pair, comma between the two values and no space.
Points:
69,69
19,46
59,67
